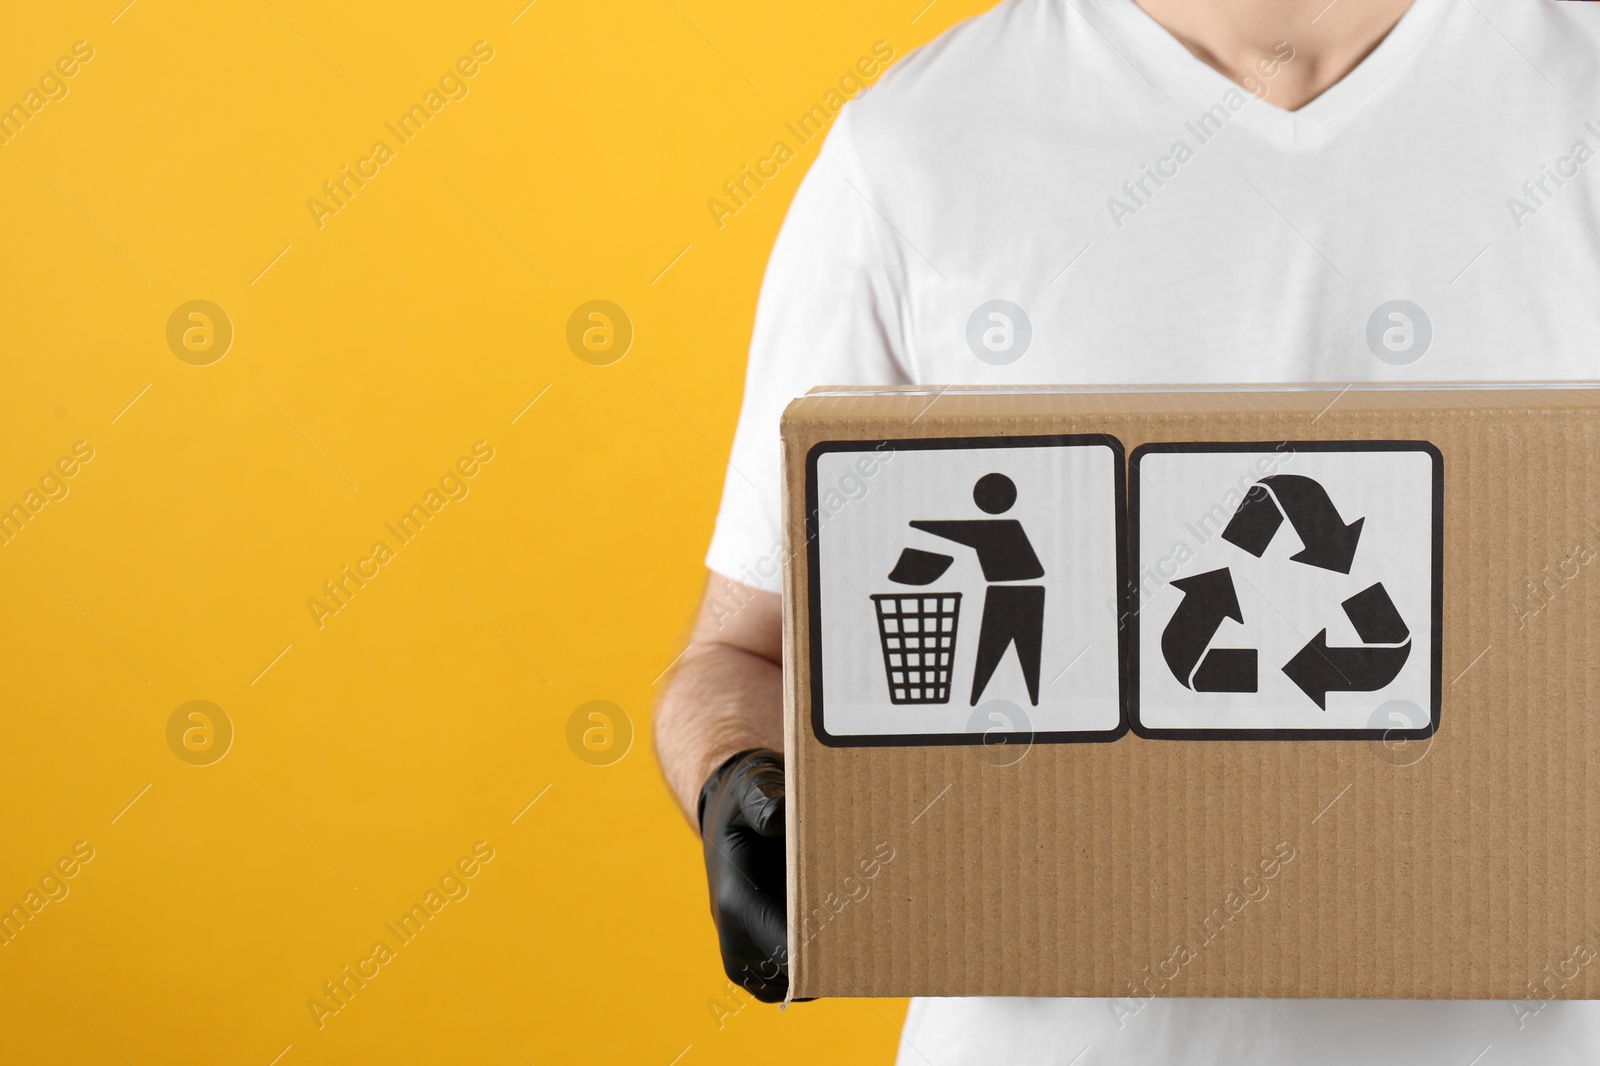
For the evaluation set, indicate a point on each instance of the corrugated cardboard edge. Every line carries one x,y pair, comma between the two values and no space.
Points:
793,609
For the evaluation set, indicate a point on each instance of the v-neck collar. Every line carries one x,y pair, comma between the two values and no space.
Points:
1163,60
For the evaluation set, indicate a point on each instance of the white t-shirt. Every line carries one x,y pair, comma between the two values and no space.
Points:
1435,216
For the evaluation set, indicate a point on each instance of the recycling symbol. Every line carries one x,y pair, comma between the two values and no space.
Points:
1330,544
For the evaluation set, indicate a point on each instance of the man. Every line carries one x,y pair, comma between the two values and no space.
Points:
1167,191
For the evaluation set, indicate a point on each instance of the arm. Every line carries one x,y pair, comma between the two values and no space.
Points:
829,314
1004,552
726,700
726,695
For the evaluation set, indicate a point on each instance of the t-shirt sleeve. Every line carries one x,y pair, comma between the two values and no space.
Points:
829,314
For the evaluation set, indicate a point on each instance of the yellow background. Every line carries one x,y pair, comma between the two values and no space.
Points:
368,356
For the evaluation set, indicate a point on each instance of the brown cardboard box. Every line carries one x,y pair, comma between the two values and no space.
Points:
1356,756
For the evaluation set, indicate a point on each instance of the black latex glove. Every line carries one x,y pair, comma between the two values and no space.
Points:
741,823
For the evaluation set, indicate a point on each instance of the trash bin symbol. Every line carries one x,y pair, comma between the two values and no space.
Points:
918,633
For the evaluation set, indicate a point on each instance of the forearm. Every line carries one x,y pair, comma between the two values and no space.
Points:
722,700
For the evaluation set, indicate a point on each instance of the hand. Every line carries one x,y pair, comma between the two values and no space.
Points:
741,823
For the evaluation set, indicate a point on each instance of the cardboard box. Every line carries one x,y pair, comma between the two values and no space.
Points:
1193,693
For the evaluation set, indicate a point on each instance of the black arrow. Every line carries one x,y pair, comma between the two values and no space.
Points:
1319,669
1373,614
1329,542
1254,522
1208,599
1227,670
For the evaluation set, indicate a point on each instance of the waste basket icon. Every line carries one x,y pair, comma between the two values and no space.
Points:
918,634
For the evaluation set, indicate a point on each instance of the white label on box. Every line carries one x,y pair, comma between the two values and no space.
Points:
964,586
1287,590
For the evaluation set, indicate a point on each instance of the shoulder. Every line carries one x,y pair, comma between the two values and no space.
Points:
1545,58
1559,18
1564,34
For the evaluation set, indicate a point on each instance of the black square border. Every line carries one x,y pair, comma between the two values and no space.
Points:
814,588
1133,607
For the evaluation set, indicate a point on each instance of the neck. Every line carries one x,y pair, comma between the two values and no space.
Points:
1245,39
